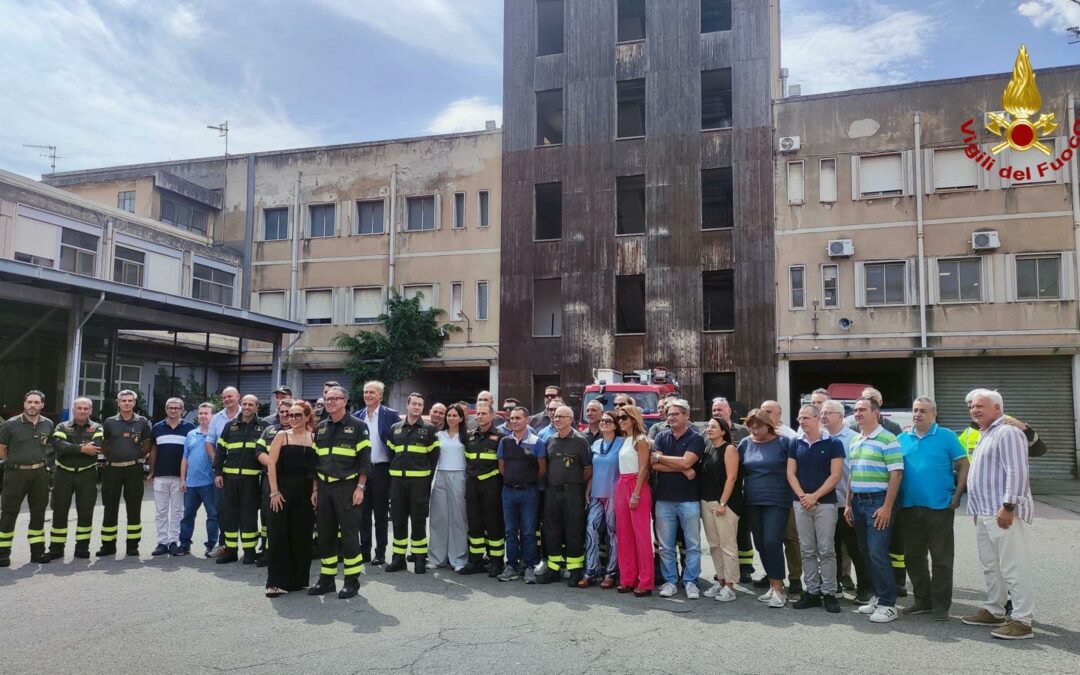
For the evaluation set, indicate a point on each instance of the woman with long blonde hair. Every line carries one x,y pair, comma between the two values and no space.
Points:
633,505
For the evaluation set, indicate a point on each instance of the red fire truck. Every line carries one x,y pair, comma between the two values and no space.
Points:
647,387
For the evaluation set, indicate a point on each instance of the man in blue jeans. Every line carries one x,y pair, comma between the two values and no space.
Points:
676,451
197,484
877,467
522,463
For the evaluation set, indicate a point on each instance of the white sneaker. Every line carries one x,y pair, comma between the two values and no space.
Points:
766,596
778,600
869,607
725,595
692,592
711,591
667,590
884,614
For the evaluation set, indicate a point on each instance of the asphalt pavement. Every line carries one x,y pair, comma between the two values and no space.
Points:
191,615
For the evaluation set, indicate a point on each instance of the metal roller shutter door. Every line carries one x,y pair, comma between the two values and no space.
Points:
258,382
311,388
1037,390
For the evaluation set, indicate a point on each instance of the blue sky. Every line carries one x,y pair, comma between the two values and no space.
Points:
122,81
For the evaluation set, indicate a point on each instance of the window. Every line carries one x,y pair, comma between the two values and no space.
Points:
183,214
426,293
34,259
322,220
631,20
1029,161
881,175
125,200
548,211
631,108
960,279
717,202
211,284
459,210
1038,277
827,180
78,252
715,15
797,275
127,377
128,266
886,283
716,98
481,300
318,307
276,224
549,117
547,307
367,305
369,217
272,303
420,213
718,299
954,170
830,286
795,180
456,289
630,304
630,205
549,27
485,208
92,382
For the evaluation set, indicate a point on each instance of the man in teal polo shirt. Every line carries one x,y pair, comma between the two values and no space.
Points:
929,494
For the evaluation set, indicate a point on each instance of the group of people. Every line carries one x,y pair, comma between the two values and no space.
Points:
542,498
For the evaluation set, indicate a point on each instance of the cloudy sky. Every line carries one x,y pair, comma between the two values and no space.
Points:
122,81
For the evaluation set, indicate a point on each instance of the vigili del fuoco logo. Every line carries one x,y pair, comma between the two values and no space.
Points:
1018,131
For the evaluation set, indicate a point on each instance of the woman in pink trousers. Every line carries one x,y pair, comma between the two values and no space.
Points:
633,506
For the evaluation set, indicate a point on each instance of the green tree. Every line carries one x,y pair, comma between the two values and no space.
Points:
410,335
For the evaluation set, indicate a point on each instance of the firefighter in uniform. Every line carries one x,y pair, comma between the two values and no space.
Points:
76,450
237,470
24,441
343,459
483,496
569,469
416,454
273,425
125,441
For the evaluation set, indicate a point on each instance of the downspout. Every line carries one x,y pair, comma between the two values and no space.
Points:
77,322
290,375
921,260
393,231
1074,185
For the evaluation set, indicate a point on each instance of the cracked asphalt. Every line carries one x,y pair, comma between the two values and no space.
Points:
190,615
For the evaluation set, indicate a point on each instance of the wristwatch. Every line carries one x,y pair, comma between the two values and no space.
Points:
361,486
1009,507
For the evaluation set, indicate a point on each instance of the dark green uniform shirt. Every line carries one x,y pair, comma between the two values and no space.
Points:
26,443
567,459
69,437
342,449
481,453
122,440
415,447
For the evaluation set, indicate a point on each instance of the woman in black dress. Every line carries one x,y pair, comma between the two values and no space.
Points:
291,472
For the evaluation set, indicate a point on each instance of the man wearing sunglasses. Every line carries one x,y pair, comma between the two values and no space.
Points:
543,418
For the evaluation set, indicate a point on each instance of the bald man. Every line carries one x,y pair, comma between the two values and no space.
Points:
230,400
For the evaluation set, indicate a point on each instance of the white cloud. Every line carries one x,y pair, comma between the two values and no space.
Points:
871,46
113,89
1054,14
465,114
468,31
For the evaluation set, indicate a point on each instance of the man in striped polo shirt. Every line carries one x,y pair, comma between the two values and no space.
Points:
877,467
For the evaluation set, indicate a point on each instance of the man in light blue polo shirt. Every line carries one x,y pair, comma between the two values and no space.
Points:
929,493
197,483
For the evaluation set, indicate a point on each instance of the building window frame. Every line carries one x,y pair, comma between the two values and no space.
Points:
834,303
380,222
955,263
483,199
631,11
322,208
125,200
457,301
630,108
825,186
420,201
719,325
796,182
366,320
483,300
726,180
886,300
219,286
79,252
712,118
321,320
274,214
132,263
1038,259
797,287
460,211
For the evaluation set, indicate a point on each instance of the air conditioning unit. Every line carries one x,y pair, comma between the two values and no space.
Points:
985,241
840,248
789,143
991,113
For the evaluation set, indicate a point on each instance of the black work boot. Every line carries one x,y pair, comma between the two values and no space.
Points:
249,557
106,550
263,560
472,567
229,556
420,564
82,550
323,586
56,553
133,548
39,556
5,562
397,563
575,577
495,566
351,587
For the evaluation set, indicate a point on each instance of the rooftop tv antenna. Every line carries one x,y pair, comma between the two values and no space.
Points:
1074,31
50,153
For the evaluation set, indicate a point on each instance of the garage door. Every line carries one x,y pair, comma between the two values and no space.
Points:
311,388
258,382
1036,389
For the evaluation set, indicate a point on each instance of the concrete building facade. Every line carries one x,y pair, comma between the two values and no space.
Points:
904,263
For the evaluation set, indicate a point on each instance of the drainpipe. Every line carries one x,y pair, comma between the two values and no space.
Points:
293,272
923,366
77,320
1074,185
393,231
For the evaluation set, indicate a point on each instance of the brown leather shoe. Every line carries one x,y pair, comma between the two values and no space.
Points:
625,589
984,618
584,583
607,583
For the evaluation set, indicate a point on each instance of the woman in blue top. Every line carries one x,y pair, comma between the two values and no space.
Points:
601,512
767,498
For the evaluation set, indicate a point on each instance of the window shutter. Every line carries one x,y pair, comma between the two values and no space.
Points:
953,170
271,303
1030,159
860,285
933,282
1010,277
795,183
881,174
438,211
928,170
319,305
1068,275
367,303
913,281
856,190
827,180
907,173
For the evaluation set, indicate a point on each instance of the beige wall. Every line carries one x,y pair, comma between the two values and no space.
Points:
106,193
1028,218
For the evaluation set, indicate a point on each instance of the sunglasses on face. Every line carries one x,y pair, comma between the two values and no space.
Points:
294,416
606,420
550,395
620,405
621,418
551,411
